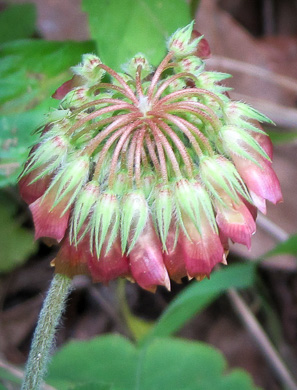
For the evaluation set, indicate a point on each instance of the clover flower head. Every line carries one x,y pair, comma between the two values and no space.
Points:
148,173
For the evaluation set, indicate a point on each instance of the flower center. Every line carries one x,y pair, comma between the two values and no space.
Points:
144,105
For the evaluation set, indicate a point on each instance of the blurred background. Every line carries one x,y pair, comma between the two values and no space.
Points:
255,41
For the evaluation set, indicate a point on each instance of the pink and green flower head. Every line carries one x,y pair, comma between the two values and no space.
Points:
149,173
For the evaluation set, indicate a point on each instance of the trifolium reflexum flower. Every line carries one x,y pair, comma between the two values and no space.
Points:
148,173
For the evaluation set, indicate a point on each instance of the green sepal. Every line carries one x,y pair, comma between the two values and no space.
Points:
48,153
56,115
148,184
206,204
82,209
134,216
246,125
70,178
163,208
190,64
105,221
239,134
218,175
246,111
187,202
138,60
76,97
121,183
181,42
89,70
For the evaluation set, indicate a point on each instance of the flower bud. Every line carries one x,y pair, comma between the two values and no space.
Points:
76,97
137,61
89,69
181,42
203,49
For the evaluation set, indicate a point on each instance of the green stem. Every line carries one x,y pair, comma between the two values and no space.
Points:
43,338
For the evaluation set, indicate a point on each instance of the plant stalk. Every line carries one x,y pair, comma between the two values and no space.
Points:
43,338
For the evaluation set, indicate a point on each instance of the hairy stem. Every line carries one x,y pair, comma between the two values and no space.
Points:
43,338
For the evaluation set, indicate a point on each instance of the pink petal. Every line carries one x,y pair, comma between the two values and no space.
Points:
71,260
110,265
236,222
48,221
173,258
260,180
203,48
201,253
66,87
265,142
31,192
146,261
259,202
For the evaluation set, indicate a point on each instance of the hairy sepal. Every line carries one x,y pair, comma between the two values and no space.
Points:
70,179
104,222
82,209
181,42
134,216
163,211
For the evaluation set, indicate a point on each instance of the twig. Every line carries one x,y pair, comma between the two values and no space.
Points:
252,325
281,115
20,374
272,228
253,70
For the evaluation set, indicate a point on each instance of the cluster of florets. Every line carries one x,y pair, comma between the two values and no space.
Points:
148,173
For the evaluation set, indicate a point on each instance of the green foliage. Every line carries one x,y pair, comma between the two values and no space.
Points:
288,247
17,21
6,378
161,364
30,72
121,29
199,295
16,242
92,386
282,136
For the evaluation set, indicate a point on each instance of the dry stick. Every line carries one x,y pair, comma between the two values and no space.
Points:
256,331
16,372
272,228
251,323
281,115
254,70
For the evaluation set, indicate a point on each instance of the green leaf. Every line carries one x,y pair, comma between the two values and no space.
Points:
17,21
92,386
161,364
288,247
198,295
194,4
282,136
7,376
30,72
16,243
124,28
